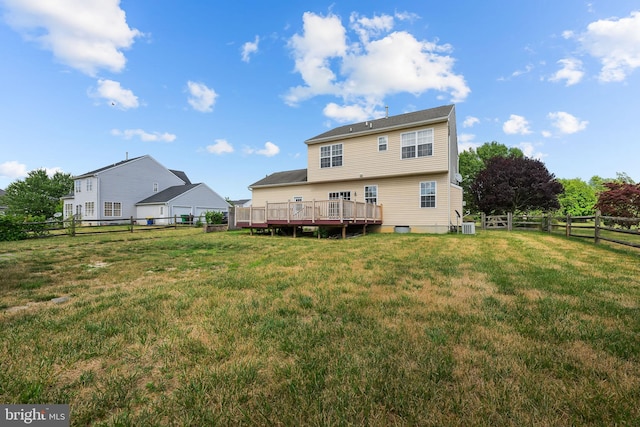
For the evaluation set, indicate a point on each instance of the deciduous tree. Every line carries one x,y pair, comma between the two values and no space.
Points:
620,199
473,161
38,195
514,184
578,197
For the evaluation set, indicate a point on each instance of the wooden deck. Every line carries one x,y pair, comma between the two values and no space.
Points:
329,213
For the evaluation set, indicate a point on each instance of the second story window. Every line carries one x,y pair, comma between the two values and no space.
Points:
417,144
89,184
78,186
331,156
382,143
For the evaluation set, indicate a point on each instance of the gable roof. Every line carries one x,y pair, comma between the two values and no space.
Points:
183,176
297,176
168,194
387,123
93,172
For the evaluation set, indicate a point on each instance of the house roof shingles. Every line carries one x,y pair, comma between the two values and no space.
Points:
168,194
376,125
180,174
285,177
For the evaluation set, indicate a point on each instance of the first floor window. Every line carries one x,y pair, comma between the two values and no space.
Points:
331,156
79,211
371,194
89,208
337,195
428,194
68,210
112,209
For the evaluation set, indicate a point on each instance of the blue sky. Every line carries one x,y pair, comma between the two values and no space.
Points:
229,91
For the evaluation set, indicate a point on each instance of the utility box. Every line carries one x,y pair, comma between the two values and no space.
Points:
468,228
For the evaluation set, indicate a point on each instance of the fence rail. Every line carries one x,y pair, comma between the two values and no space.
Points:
597,227
73,226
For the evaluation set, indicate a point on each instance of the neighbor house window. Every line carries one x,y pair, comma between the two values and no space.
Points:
68,210
78,186
383,142
79,211
417,144
331,156
89,208
155,187
112,209
371,194
89,184
428,194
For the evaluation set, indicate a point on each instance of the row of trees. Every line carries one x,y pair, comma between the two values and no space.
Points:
498,179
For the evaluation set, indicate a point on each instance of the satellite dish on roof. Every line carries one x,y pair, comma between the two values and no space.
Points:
458,177
57,214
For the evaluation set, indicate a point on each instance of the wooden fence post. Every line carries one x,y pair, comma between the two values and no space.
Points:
131,226
568,226
596,233
73,226
509,221
175,221
483,220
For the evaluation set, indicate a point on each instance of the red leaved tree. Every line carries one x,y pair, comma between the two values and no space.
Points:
620,200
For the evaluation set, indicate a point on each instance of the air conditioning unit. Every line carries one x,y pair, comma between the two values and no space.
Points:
468,228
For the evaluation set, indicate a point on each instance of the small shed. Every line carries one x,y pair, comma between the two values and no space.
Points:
180,201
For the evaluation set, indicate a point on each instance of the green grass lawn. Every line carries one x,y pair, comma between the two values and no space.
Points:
179,327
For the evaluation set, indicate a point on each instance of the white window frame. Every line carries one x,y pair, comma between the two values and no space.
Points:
415,142
89,209
332,155
68,210
383,143
369,195
112,209
89,184
428,190
78,186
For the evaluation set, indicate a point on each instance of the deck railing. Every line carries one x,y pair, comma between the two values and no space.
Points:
309,212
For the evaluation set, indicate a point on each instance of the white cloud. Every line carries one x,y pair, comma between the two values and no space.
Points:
616,43
466,142
201,97
115,95
529,150
346,113
567,123
144,136
220,147
516,125
571,71
87,35
13,169
52,171
362,73
270,149
546,134
249,48
469,121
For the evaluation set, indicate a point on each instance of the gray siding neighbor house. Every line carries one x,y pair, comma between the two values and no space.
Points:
140,188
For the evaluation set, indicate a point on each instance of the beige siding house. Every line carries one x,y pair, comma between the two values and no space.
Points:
405,165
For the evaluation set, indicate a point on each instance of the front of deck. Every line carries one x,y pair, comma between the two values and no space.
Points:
329,213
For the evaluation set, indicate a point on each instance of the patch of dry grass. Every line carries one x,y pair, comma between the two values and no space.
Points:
178,327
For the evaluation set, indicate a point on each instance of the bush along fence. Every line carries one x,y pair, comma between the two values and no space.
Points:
16,228
624,231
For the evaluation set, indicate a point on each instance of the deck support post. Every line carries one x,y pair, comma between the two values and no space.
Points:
364,230
344,231
273,231
295,229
